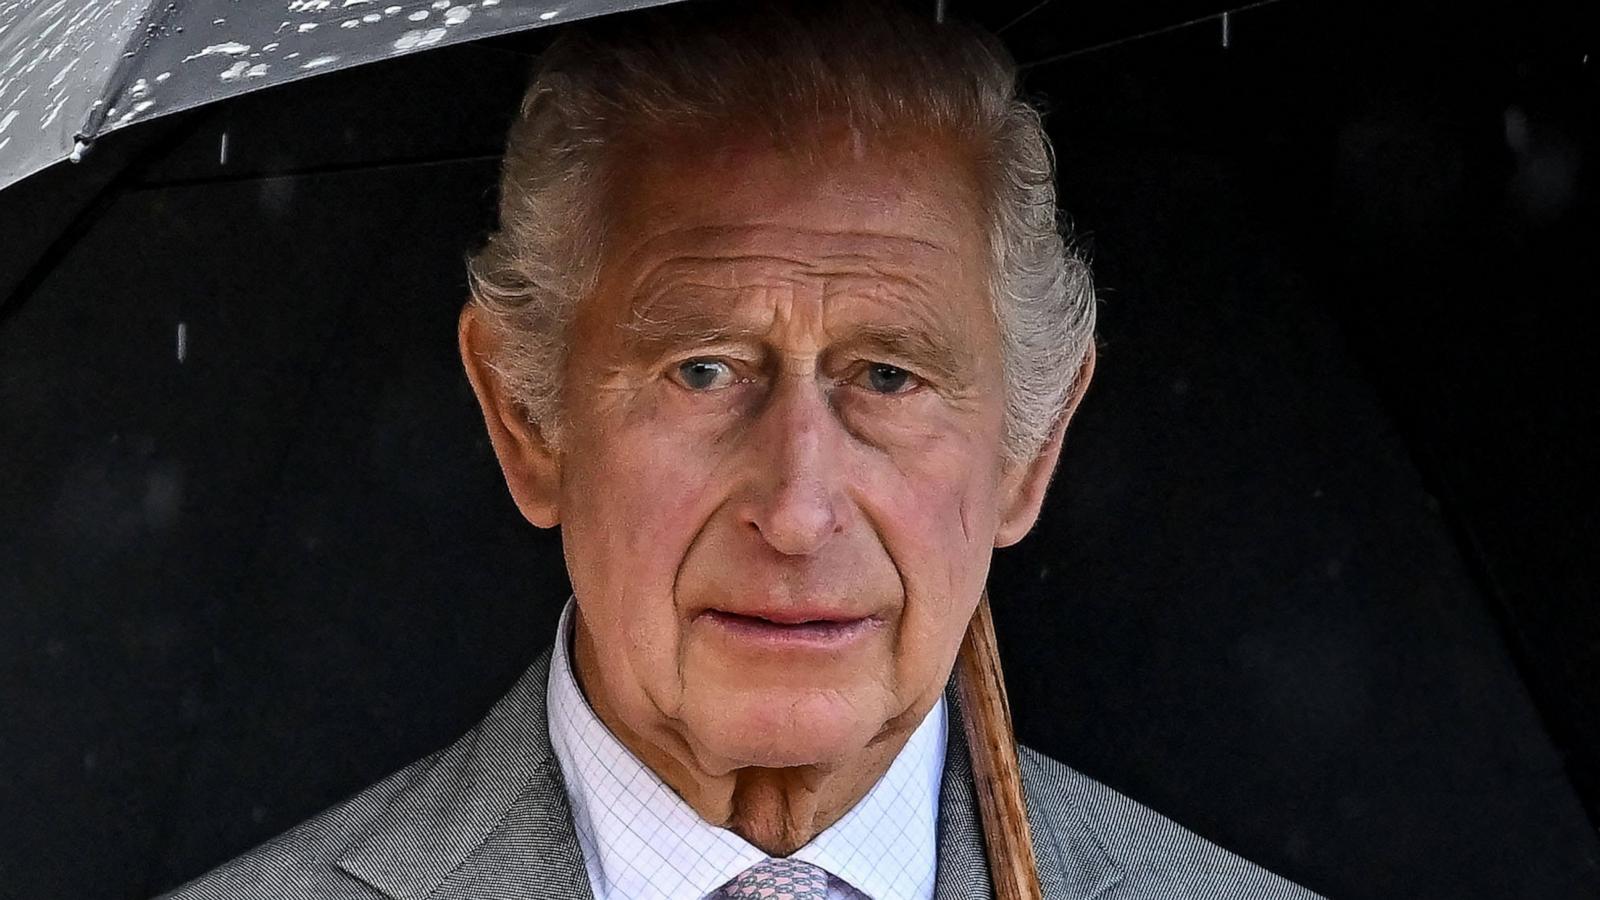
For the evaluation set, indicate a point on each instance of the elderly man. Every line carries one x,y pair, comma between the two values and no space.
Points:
779,330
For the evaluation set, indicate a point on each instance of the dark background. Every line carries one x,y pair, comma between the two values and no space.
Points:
1316,578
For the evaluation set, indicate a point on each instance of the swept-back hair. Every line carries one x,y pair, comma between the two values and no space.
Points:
604,90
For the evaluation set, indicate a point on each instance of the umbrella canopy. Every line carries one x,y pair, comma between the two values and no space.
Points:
73,70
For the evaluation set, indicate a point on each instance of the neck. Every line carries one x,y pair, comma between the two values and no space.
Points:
779,810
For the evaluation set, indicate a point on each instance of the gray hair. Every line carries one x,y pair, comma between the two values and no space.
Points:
602,92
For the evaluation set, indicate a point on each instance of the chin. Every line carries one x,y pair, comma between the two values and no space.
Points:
785,728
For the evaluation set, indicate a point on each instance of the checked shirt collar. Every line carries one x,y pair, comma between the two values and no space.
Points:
641,841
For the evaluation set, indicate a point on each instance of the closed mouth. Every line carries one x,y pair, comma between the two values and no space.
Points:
795,627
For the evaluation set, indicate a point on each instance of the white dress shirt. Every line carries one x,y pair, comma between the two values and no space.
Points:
641,841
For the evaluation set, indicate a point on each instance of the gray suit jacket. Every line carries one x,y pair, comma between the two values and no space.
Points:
487,818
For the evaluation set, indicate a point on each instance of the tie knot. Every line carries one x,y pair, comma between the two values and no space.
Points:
778,879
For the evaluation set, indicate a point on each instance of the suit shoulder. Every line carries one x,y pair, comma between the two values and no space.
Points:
1158,857
303,861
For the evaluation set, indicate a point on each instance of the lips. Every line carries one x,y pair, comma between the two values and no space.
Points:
792,627
791,615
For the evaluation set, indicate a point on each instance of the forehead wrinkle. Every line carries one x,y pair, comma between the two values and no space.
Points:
684,280
708,295
819,253
909,319
762,239
838,275
853,303
675,303
645,333
747,271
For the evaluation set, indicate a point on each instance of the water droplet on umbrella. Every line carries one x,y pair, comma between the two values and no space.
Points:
411,40
140,107
228,48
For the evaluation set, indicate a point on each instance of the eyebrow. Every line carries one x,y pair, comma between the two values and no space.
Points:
649,337
915,346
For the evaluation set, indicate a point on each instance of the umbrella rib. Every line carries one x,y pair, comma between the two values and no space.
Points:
167,137
312,171
1141,36
1030,11
153,19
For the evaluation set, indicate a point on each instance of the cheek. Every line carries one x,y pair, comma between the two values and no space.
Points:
932,473
633,500
929,485
935,509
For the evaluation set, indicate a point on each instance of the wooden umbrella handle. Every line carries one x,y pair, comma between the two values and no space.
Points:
986,716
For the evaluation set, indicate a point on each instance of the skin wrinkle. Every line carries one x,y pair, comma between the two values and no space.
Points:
901,250
963,513
909,346
836,266
797,485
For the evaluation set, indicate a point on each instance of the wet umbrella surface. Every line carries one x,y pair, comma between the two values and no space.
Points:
1315,580
73,70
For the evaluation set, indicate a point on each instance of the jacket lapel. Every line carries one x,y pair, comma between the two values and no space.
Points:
488,818
963,869
485,818
1072,862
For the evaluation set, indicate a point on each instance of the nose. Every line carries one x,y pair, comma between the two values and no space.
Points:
796,497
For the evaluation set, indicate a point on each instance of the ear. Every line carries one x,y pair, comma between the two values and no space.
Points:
1023,485
532,468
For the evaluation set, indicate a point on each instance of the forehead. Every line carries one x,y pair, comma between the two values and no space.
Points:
892,219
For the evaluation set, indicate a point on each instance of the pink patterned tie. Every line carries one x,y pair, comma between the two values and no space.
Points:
778,879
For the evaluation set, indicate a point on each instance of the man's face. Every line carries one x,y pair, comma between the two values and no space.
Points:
781,476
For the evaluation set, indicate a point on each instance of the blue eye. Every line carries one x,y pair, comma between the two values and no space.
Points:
887,379
704,374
